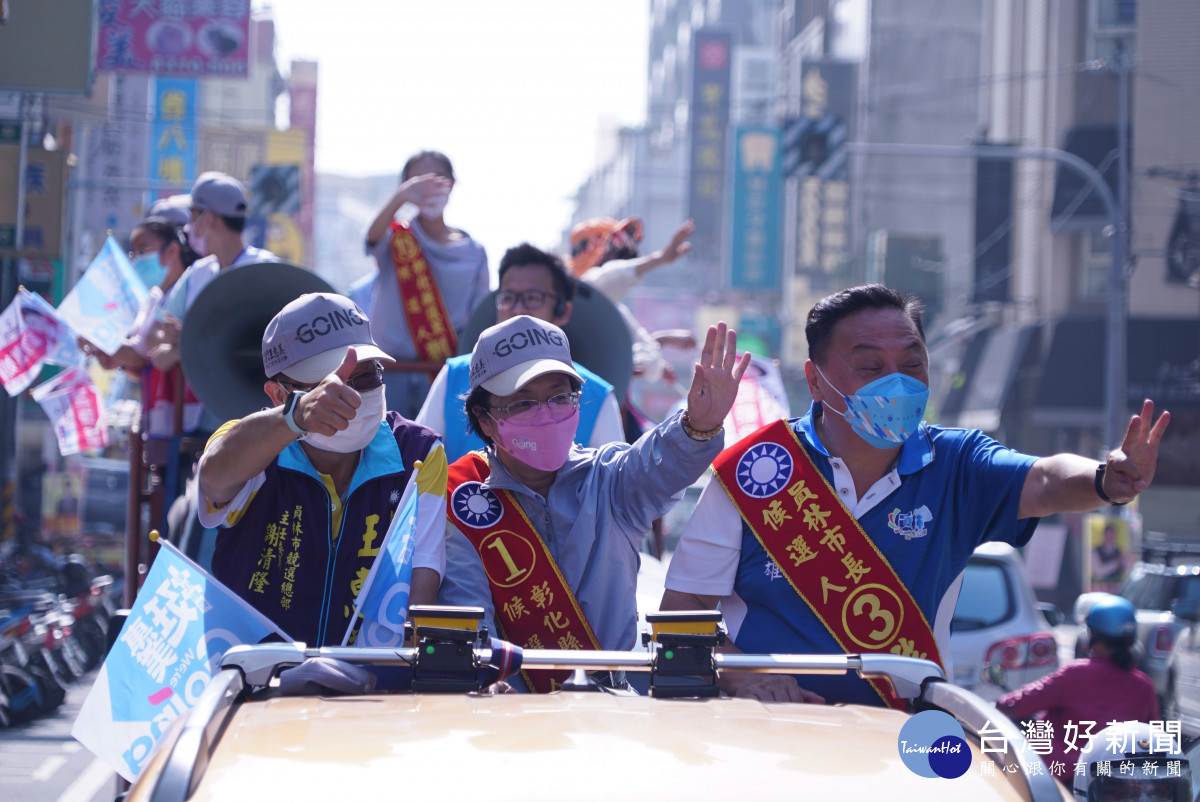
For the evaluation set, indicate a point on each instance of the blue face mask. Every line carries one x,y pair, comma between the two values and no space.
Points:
150,269
886,411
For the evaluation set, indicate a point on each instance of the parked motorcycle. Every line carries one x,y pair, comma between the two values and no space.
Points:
28,681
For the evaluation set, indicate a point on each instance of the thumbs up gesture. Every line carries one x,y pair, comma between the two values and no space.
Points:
331,405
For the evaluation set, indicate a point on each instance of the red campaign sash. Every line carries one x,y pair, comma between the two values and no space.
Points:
534,606
800,521
421,298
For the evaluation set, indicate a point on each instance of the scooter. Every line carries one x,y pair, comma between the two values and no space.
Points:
28,684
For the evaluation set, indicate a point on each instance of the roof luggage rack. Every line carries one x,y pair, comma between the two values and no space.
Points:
683,656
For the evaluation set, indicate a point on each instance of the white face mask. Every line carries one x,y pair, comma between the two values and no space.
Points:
434,206
361,430
196,239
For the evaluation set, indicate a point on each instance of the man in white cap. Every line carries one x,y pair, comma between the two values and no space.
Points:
214,231
544,534
304,492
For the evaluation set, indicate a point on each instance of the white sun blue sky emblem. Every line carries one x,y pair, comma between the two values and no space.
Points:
394,497
476,506
764,470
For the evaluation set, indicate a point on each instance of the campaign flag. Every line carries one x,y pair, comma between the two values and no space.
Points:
29,335
72,403
383,600
104,302
65,350
179,627
761,399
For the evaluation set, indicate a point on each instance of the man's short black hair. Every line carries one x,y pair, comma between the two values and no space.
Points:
828,311
235,224
526,254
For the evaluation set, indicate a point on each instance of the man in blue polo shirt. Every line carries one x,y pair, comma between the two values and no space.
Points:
534,283
774,551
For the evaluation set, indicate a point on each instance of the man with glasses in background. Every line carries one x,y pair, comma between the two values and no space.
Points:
534,283
543,534
304,492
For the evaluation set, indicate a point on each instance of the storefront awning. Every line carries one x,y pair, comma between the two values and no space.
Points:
1163,365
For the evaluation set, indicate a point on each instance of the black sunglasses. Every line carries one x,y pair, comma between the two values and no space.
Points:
360,382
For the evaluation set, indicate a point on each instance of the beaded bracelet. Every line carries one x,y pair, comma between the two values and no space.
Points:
695,433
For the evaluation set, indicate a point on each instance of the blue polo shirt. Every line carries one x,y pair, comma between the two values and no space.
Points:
956,489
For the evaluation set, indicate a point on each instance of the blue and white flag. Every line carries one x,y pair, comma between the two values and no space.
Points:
383,600
104,303
181,624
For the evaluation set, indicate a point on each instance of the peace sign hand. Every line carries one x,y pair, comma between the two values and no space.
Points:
1130,469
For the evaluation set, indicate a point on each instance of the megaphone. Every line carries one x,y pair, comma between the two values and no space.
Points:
599,338
220,347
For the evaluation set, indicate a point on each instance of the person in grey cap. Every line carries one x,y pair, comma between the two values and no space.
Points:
214,231
544,534
304,491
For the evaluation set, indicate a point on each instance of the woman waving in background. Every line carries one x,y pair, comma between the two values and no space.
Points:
430,277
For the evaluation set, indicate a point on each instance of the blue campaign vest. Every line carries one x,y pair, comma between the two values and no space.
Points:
458,437
281,555
958,489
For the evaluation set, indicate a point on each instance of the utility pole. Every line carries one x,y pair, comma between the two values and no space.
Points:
1114,395
8,290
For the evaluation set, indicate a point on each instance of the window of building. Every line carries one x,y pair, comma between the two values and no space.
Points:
1096,266
1113,21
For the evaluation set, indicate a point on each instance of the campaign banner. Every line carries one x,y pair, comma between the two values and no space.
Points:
383,600
104,302
761,399
179,627
65,350
30,334
175,39
72,403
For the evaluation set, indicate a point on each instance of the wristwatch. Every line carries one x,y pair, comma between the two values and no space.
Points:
289,409
1100,487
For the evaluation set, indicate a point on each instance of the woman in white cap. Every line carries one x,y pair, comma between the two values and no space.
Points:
544,534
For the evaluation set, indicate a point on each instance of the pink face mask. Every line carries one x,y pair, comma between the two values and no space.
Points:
541,443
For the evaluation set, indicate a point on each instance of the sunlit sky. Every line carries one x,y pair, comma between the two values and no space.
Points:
516,93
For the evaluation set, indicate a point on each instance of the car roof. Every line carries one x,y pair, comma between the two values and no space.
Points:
569,745
995,550
246,739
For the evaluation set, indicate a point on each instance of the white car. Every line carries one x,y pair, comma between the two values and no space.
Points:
249,737
998,621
